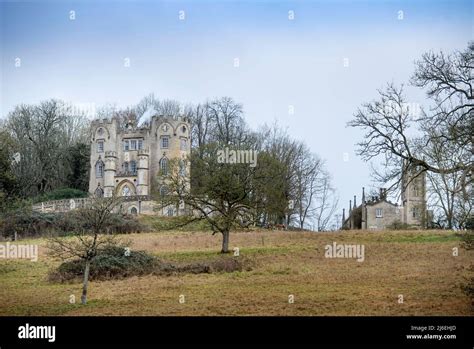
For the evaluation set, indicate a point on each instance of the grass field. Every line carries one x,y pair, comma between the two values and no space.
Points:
418,265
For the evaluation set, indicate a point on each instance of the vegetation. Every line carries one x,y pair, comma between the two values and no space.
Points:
60,194
23,222
417,264
115,262
436,140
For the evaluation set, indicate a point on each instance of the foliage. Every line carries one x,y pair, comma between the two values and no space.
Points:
110,262
60,194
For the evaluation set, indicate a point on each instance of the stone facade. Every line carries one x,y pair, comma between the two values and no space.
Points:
378,213
129,160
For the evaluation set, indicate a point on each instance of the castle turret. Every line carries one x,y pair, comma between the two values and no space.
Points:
414,196
142,173
110,170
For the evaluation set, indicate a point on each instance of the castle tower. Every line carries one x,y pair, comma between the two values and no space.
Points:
414,196
109,173
142,173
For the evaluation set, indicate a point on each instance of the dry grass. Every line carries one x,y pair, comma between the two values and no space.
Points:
418,265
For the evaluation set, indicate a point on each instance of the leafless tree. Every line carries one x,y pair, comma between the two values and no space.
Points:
402,137
89,238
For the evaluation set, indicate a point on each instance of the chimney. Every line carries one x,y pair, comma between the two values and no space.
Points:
350,206
355,205
343,215
363,195
383,193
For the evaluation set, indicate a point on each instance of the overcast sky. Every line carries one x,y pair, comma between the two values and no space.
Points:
285,62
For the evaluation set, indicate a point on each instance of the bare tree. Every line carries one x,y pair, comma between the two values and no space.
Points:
325,203
89,238
401,137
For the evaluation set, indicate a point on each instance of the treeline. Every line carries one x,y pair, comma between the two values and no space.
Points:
45,148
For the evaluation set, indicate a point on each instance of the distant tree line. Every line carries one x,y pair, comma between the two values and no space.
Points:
46,148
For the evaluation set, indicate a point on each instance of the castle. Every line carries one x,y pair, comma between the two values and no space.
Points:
129,160
378,213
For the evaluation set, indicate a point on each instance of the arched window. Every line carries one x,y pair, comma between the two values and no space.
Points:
163,190
99,192
164,166
134,211
183,129
99,169
126,191
182,168
133,167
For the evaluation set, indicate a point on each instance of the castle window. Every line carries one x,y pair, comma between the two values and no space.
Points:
140,144
125,167
133,144
183,129
163,190
164,142
416,190
126,145
133,166
414,211
182,168
134,211
184,144
99,192
164,128
378,213
126,191
164,166
100,146
170,212
99,169
100,131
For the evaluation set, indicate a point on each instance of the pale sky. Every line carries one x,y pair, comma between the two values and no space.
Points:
284,63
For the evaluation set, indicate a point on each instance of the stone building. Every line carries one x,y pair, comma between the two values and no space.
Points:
129,160
378,213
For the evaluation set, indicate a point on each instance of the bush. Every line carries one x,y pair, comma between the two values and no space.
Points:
28,223
111,262
398,225
25,222
157,223
60,194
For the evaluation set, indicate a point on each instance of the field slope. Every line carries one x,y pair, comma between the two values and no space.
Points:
418,265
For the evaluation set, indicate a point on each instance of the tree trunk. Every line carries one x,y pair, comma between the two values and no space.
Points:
225,242
85,282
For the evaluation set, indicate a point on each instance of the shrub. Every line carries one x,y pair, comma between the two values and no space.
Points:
111,262
398,225
157,223
25,222
60,194
28,223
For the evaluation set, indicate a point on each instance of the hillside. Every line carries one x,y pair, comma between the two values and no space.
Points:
418,265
